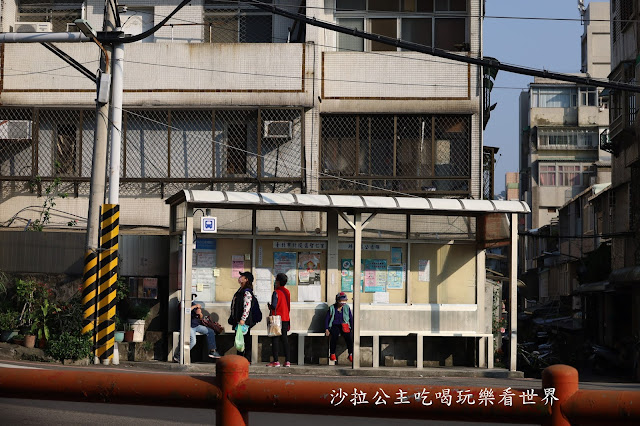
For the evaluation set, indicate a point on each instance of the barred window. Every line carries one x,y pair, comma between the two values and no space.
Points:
404,153
440,23
61,14
237,22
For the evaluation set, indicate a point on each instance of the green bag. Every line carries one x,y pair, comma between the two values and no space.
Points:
239,342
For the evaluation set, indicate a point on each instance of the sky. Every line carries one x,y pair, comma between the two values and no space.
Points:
541,44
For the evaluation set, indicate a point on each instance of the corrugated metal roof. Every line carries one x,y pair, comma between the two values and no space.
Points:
314,202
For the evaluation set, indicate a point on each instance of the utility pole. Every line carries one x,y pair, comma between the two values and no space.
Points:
97,191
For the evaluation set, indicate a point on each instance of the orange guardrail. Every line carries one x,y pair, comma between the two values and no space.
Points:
233,395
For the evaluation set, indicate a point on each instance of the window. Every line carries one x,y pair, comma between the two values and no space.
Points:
547,175
236,153
347,42
66,153
553,97
439,23
236,22
588,96
568,174
59,13
567,138
411,153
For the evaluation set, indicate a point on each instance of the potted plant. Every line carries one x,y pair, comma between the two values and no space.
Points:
18,339
137,315
42,318
8,325
119,333
122,291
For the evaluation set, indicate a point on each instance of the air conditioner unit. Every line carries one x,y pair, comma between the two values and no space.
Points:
72,28
277,129
33,27
15,129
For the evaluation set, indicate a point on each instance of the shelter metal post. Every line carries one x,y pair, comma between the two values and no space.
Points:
513,295
357,250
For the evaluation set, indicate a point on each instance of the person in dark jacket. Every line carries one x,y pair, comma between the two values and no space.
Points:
280,305
241,310
339,320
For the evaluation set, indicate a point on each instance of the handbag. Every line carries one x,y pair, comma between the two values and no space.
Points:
239,340
346,328
215,326
274,325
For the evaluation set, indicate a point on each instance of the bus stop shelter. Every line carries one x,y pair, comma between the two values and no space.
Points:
433,251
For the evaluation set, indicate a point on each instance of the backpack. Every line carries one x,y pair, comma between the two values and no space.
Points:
256,313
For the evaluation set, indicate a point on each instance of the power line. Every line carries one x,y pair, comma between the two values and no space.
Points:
439,14
490,63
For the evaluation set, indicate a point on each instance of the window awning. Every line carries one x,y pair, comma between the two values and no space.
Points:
347,203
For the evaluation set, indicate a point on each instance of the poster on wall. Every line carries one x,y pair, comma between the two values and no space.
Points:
396,255
263,286
347,275
375,275
424,270
237,265
395,277
308,268
285,262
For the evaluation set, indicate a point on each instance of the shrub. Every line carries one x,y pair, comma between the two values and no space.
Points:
9,320
69,346
140,311
69,317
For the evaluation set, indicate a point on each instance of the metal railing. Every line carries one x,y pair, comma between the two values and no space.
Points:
233,395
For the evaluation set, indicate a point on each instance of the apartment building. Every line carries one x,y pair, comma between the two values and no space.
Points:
623,199
562,125
226,97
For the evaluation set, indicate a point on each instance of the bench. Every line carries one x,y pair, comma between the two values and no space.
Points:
175,342
420,335
420,342
300,333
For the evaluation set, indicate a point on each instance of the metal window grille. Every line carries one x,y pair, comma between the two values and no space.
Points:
58,13
411,154
163,151
230,22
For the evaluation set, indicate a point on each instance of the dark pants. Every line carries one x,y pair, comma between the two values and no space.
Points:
275,342
335,331
247,346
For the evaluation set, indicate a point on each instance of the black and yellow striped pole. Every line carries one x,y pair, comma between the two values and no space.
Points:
107,276
89,288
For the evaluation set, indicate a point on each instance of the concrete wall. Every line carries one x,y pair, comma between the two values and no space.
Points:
597,40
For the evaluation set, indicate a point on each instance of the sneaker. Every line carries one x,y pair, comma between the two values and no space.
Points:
287,364
273,364
176,359
214,354
350,358
333,357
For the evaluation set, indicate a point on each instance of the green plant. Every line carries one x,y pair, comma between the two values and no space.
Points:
4,282
42,318
30,295
122,290
69,317
147,346
140,311
69,346
52,191
9,320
